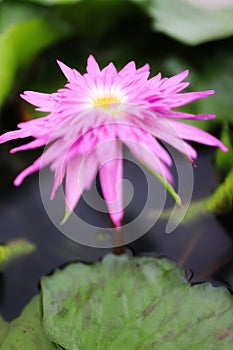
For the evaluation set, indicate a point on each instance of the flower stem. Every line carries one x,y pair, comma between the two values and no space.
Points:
117,241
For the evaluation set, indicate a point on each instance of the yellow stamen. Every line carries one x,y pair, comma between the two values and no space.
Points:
105,102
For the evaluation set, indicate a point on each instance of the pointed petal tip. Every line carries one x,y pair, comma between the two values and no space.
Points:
91,57
61,64
223,147
92,66
52,195
17,181
117,221
66,216
211,92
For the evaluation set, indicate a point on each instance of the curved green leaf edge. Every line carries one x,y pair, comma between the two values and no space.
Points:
25,332
189,22
134,303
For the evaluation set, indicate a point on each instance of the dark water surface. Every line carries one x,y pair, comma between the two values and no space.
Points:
205,246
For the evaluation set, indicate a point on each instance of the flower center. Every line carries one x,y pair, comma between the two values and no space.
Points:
106,102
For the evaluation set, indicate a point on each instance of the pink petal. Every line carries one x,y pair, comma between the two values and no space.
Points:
67,71
45,102
74,182
176,79
28,171
178,100
192,133
91,168
187,116
92,67
31,145
109,70
130,68
163,129
59,174
110,157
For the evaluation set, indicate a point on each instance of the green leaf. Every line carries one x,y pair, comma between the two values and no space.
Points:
217,75
15,249
193,211
134,303
54,2
222,199
25,332
224,160
213,74
21,39
191,21
165,183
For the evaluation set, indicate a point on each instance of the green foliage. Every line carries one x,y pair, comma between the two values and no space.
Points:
24,33
217,73
25,333
54,2
193,212
165,183
190,21
134,303
224,161
15,249
222,199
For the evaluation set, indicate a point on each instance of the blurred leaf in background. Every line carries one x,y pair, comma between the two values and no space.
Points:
13,250
191,21
24,32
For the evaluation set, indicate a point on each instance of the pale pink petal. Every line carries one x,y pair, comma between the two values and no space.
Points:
110,69
129,69
28,171
176,79
111,172
74,182
31,145
59,174
92,67
187,116
67,71
45,102
192,133
91,167
164,130
144,69
187,97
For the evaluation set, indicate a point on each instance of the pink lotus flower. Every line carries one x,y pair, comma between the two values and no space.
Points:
94,114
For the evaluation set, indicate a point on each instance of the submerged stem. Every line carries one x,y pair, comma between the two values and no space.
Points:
117,241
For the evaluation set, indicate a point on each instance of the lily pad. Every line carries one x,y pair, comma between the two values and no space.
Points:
191,21
134,303
25,333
